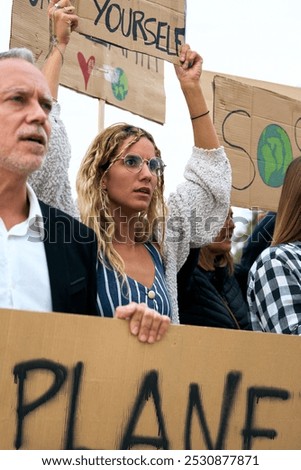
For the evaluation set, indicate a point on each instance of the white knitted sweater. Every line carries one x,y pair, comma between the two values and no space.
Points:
197,209
51,182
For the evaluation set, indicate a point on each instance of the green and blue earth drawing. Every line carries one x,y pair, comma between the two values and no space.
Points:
120,85
274,154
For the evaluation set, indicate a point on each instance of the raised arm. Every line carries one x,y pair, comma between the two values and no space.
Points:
62,21
51,183
189,74
199,206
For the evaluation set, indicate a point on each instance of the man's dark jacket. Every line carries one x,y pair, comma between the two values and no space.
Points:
71,253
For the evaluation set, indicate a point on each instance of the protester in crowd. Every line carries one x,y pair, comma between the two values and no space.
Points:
47,258
274,285
260,238
51,181
208,292
58,274
120,195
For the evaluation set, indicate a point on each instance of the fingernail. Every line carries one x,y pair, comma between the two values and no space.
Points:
135,330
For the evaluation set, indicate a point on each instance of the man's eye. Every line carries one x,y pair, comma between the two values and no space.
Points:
47,106
18,99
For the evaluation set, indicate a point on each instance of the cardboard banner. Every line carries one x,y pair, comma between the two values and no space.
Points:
153,27
208,77
128,80
261,131
76,382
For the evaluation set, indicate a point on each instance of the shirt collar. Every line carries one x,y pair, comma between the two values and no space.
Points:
33,226
34,206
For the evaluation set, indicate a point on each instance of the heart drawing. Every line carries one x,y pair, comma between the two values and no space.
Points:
86,66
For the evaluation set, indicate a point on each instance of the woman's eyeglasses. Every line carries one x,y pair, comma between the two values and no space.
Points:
134,164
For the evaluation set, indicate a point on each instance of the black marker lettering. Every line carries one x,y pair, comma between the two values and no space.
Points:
195,402
77,375
148,388
254,394
21,374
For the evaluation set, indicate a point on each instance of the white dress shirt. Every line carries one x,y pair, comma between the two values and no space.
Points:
24,277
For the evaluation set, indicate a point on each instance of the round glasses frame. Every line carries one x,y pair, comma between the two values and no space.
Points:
134,164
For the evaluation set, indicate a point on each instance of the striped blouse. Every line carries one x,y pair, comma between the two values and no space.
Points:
111,293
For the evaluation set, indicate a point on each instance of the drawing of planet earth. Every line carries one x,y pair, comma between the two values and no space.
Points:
274,154
120,85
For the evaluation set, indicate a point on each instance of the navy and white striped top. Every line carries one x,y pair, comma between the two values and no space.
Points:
111,294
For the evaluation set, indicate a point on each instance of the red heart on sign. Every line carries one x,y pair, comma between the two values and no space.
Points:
86,66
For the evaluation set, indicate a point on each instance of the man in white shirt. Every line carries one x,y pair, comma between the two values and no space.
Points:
59,254
47,259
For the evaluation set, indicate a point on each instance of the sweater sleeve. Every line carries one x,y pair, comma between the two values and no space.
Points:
199,206
51,182
197,211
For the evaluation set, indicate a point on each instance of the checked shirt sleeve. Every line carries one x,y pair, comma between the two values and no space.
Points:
274,294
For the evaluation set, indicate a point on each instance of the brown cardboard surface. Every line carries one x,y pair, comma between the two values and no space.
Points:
208,82
75,382
129,80
261,131
152,27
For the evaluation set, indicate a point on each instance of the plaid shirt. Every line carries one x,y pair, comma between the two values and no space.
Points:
274,290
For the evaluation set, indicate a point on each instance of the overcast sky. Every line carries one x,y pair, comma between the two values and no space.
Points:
250,38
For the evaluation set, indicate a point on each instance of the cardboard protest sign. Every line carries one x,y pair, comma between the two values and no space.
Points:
261,131
129,80
77,382
153,27
208,77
